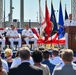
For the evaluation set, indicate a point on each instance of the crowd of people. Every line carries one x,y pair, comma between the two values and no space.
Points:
38,62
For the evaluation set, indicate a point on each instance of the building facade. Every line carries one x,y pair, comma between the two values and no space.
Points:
17,24
73,8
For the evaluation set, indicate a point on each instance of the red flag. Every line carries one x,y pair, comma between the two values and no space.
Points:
35,32
48,28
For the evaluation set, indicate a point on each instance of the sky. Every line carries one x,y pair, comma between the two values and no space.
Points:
31,8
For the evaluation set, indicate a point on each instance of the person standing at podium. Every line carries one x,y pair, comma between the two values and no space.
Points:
68,22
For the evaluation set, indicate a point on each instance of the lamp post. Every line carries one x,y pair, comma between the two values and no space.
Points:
37,16
21,12
11,11
29,23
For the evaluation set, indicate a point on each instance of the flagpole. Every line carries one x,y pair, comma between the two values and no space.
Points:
40,18
52,15
45,18
51,34
61,23
66,15
58,30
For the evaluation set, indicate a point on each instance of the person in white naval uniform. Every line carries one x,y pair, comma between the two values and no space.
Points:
28,35
13,36
2,40
68,22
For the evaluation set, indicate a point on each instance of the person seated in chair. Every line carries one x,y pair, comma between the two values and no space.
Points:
13,36
28,35
2,41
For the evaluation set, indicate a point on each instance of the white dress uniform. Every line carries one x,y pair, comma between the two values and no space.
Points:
5,65
29,33
68,23
2,40
17,61
14,33
56,60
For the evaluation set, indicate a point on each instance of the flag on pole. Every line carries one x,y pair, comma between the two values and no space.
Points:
66,15
42,20
48,28
53,20
43,24
61,23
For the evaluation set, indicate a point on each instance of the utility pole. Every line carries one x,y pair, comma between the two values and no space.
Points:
10,16
21,12
4,14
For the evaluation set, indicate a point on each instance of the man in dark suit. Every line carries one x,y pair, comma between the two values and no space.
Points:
69,68
46,57
25,68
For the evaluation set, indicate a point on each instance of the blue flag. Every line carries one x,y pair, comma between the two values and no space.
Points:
61,23
66,15
53,20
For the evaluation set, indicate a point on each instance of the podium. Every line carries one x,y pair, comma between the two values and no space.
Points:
71,30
